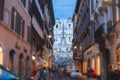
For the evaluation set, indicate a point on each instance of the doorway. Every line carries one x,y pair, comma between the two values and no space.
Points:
1,55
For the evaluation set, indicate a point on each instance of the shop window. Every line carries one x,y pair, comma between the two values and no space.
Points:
98,65
12,60
85,67
118,58
93,63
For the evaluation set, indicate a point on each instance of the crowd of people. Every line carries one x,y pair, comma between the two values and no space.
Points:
91,73
43,73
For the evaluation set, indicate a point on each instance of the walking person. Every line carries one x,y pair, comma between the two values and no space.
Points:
89,73
95,74
39,74
44,73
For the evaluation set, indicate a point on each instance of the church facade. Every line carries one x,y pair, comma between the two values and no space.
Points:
63,35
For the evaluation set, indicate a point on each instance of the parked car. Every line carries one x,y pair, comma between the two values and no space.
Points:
75,73
7,75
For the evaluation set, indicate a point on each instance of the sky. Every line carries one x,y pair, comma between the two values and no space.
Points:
64,9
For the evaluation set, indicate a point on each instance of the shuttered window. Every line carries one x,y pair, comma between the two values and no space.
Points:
17,22
1,9
29,34
30,8
13,18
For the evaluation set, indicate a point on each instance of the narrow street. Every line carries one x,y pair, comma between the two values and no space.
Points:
59,39
65,78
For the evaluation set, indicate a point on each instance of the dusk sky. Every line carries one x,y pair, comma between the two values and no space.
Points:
64,8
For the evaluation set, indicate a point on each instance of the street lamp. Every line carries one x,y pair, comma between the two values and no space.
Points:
33,57
0,49
49,36
80,48
75,47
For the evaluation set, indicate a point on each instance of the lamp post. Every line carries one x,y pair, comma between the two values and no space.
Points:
49,36
33,57
75,47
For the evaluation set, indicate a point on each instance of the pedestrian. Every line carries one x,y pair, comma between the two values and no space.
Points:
89,73
39,74
44,73
33,73
116,74
95,73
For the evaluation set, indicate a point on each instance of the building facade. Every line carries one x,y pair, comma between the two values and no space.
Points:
14,47
63,34
22,34
102,50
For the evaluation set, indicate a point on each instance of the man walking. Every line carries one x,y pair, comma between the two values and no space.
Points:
39,74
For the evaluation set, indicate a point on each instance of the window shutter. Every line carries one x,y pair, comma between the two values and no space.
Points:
12,18
17,26
23,25
1,9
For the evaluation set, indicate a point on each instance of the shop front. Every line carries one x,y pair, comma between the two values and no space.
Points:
92,59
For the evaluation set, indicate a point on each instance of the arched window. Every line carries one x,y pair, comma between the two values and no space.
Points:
93,63
118,58
98,64
85,66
